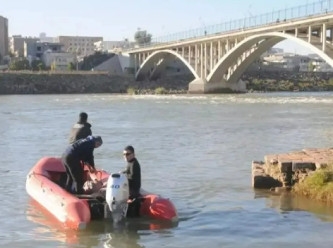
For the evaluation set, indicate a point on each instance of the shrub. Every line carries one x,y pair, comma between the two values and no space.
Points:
160,91
318,185
131,91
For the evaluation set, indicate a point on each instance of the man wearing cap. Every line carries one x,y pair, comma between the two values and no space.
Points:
81,129
81,150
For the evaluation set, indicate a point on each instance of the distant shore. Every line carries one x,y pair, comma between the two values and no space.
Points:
100,82
84,83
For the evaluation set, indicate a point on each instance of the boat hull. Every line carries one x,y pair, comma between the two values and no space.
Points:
43,185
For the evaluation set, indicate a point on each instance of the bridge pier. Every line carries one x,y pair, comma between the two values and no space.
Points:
200,86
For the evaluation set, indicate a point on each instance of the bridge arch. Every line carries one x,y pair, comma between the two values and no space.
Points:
155,60
264,41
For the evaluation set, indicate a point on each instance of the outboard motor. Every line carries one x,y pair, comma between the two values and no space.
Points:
117,193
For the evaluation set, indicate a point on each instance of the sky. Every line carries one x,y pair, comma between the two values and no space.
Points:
117,20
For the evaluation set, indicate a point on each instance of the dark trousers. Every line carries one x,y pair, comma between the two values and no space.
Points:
134,193
134,207
74,171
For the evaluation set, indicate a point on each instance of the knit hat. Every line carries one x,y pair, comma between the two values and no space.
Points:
129,148
98,139
83,117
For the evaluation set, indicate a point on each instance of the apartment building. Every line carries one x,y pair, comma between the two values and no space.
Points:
79,45
37,49
51,54
16,44
3,37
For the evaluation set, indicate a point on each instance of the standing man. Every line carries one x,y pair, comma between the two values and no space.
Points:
81,129
80,151
133,172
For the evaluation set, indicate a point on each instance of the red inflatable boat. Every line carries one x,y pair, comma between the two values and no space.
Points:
44,184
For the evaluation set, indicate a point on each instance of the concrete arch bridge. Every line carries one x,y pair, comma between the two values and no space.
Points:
217,61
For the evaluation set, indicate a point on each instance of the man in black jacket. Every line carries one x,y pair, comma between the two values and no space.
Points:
78,152
133,172
81,129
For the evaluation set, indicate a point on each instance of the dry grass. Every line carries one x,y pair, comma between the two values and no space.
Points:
317,186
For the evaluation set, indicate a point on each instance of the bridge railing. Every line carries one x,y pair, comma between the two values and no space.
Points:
283,15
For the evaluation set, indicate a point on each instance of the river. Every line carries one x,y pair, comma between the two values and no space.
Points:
194,149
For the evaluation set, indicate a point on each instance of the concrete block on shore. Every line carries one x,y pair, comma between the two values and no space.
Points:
261,181
286,169
302,165
271,159
321,164
258,166
285,166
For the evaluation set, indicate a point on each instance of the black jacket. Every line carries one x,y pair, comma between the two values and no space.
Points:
133,172
79,131
82,150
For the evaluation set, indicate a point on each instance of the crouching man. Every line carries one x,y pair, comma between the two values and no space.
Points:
80,151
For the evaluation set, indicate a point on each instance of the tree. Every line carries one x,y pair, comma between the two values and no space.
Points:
71,66
142,37
41,66
22,64
37,65
311,66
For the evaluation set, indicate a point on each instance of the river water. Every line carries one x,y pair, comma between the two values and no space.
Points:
195,149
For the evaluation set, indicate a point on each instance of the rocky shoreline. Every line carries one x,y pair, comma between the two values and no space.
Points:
98,82
85,83
306,172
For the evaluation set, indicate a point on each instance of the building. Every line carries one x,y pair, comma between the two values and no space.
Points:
37,49
285,61
51,54
79,45
58,61
3,37
317,64
44,38
118,64
112,46
16,44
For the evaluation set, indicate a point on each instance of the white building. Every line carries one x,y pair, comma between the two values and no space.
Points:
112,46
286,61
58,61
321,66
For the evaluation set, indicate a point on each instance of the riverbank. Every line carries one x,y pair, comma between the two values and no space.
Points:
99,82
273,81
308,172
84,83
